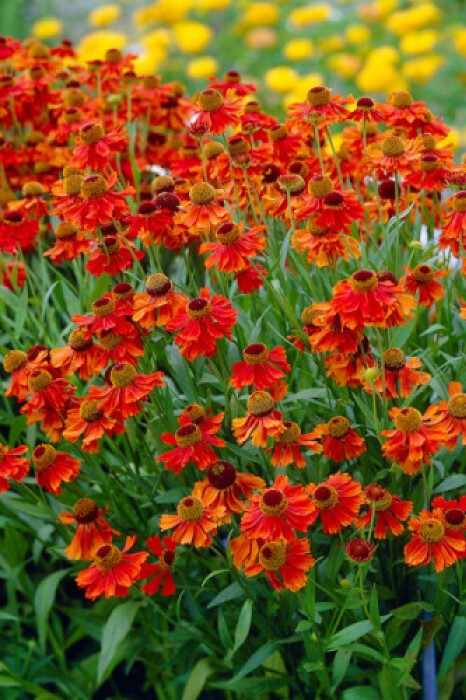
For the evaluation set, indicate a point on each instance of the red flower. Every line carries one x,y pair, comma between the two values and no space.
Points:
69,243
201,323
96,148
111,256
100,203
261,422
234,247
340,441
12,465
337,501
367,111
277,512
413,441
385,509
48,401
423,280
88,421
106,316
92,529
227,487
286,449
449,417
454,513
431,539
78,357
260,368
159,304
401,375
191,445
113,572
127,390
20,366
285,563
360,550
320,107
13,275
251,279
54,467
195,522
202,211
215,114
161,572
17,233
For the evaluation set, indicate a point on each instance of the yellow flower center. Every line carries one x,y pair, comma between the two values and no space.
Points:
260,403
43,456
122,374
318,96
14,360
457,406
394,359
163,183
122,291
401,99
107,557
91,133
198,308
291,433
77,341
423,274
228,233
158,285
325,496
103,307
238,146
85,510
113,56
320,186
458,202
109,341
278,132
432,530
72,185
364,281
379,498
65,231
202,193
213,149
255,354
39,380
190,509
338,426
188,435
273,502
393,146
429,163
32,189
272,555
308,315
94,186
89,411
408,420
210,100
195,412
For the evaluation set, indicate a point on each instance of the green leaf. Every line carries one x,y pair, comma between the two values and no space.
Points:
197,680
456,642
43,601
411,611
361,692
341,661
257,659
115,630
388,683
349,634
455,481
243,625
231,592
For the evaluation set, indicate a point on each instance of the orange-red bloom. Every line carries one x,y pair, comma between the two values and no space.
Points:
360,550
215,114
287,447
386,510
401,376
449,417
191,445
92,530
285,563
277,512
112,572
413,441
340,441
88,421
12,465
430,539
159,304
261,422
337,501
261,368
53,468
422,282
127,391
320,107
96,148
234,247
195,522
161,572
227,487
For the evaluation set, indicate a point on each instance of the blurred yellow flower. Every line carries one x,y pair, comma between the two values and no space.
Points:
265,13
344,64
378,10
281,78
144,15
47,28
93,46
192,37
158,38
171,11
298,49
384,54
331,43
202,67
419,42
148,63
309,14
454,138
460,42
104,15
406,21
421,70
379,76
206,5
300,88
261,38
357,34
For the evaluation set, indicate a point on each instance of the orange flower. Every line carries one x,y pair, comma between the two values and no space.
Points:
227,487
320,107
286,449
106,316
260,368
48,402
423,279
13,275
285,563
161,572
96,148
430,173
20,366
360,550
54,467
194,413
325,246
100,203
454,223
234,247
112,572
367,111
348,369
78,357
449,417
194,523
12,465
201,323
401,375
127,390
261,422
92,529
88,421
340,441
277,512
431,539
403,113
215,114
388,510
327,333
390,156
191,445
112,255
244,550
413,441
454,513
159,304
337,501
202,211
366,300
